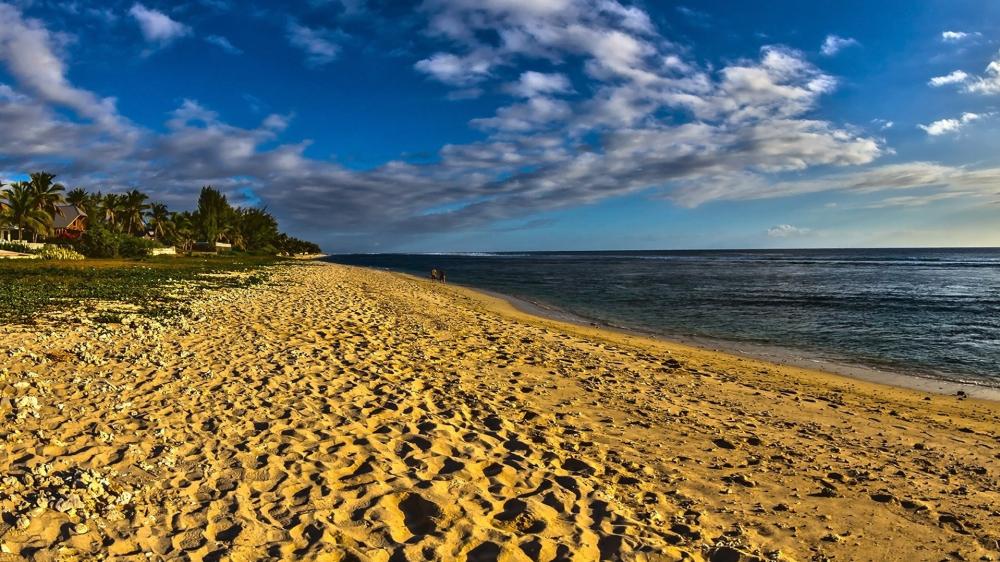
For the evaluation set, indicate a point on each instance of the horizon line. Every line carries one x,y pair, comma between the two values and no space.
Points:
460,252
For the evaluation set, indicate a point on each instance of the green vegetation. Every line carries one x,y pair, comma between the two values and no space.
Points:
47,252
129,225
125,225
27,205
53,252
104,290
19,247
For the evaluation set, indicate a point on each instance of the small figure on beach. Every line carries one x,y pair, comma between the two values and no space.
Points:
437,274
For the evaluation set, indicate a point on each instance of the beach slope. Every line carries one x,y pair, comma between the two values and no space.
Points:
338,413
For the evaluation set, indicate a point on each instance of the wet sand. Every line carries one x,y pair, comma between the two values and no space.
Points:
772,354
340,413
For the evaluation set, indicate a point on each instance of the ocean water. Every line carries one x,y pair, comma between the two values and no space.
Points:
929,312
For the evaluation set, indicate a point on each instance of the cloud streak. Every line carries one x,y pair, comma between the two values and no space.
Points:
156,26
320,46
224,44
946,126
26,49
833,44
957,36
989,82
787,231
956,77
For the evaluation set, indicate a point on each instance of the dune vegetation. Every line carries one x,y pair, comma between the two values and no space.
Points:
104,290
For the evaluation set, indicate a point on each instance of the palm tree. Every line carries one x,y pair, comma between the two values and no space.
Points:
4,212
113,206
228,232
159,218
48,194
77,197
93,205
183,232
134,206
24,210
256,229
235,237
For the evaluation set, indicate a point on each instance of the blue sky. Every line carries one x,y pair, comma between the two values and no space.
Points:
478,125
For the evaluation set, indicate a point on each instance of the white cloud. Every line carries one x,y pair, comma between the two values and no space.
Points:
782,84
956,77
156,26
631,17
34,133
956,36
535,112
103,15
457,70
320,46
612,36
833,44
989,82
786,230
532,84
26,49
224,44
919,200
945,126
883,124
927,177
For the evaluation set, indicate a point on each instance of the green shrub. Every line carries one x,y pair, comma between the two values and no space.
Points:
135,247
98,241
16,247
52,252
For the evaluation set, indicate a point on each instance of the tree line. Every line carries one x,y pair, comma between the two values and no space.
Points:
127,224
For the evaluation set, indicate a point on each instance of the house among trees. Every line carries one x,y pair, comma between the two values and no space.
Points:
40,211
69,221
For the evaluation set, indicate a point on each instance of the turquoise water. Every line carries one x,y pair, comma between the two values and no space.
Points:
932,312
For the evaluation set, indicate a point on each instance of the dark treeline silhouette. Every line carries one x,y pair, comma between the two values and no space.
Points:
129,224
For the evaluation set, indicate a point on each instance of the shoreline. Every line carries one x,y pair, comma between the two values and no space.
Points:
772,354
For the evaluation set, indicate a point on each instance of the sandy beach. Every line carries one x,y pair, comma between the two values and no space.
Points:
339,413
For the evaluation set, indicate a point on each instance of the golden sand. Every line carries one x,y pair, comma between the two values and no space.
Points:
351,414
